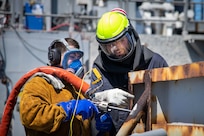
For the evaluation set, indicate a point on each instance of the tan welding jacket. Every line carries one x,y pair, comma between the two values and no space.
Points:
40,114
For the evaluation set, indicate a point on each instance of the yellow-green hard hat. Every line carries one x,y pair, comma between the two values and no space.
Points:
110,26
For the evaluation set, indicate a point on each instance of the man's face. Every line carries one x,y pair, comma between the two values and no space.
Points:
117,49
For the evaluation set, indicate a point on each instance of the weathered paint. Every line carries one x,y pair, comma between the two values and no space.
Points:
169,73
181,129
176,98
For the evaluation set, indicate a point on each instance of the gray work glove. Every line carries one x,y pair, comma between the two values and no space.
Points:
115,96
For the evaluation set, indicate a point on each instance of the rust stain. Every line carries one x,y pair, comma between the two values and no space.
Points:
169,73
173,73
159,118
181,129
140,127
154,98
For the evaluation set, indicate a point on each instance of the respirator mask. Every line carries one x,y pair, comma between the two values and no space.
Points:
71,62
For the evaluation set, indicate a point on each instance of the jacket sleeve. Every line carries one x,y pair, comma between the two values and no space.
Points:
37,109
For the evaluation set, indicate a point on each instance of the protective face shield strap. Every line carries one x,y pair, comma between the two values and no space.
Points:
119,10
63,41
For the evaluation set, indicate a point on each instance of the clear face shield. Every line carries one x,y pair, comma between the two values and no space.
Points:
119,49
71,61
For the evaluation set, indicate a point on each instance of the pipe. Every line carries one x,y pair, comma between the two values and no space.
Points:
156,132
11,101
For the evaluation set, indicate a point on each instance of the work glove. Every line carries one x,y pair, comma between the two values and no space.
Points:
114,96
103,122
84,107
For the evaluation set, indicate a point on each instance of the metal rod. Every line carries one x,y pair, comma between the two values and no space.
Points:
133,117
117,108
185,18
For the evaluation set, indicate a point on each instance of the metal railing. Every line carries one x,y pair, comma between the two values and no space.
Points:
187,4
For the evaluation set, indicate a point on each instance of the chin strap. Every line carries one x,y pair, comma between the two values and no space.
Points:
69,77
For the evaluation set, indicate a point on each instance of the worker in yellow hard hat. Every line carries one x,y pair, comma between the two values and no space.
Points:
120,52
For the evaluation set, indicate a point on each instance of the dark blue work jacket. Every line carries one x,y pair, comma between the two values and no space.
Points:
115,74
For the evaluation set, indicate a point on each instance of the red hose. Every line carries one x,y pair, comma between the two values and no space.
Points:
11,101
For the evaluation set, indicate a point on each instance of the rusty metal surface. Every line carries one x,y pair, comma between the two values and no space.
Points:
181,129
134,116
177,97
169,73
